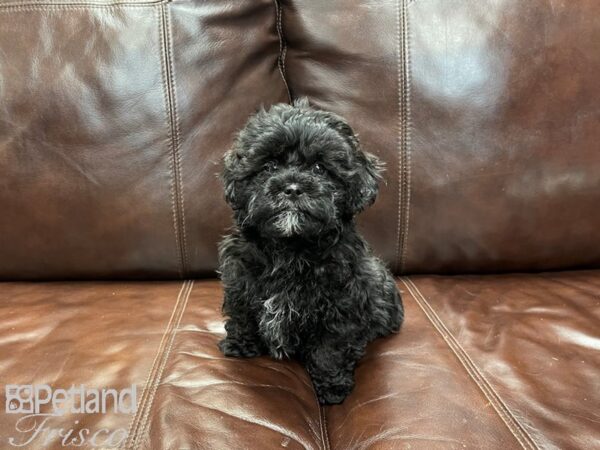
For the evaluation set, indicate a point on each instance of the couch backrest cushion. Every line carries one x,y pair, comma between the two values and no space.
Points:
113,118
487,113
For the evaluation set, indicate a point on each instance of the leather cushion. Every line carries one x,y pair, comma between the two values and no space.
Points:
113,120
481,362
486,113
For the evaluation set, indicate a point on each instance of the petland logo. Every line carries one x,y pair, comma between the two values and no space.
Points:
40,403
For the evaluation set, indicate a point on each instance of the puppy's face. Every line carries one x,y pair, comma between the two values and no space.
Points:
296,171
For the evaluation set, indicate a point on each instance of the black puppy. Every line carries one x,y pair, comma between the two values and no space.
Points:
299,280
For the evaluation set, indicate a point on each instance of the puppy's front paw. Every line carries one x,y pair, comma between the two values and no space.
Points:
333,394
240,348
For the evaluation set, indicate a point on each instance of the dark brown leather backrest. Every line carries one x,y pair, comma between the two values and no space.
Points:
487,113
114,116
113,119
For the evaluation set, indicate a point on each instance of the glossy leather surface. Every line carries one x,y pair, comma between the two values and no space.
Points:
505,107
534,345
113,118
495,362
343,56
486,113
101,335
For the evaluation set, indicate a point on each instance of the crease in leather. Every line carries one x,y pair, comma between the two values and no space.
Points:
177,201
516,428
404,161
264,424
74,4
282,48
139,423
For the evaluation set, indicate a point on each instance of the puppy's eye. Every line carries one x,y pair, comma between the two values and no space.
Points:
270,166
318,168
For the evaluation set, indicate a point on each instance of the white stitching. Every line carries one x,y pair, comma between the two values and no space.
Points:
134,425
399,133
177,144
173,167
448,338
322,422
403,127
518,431
146,418
282,49
325,428
81,2
407,138
73,6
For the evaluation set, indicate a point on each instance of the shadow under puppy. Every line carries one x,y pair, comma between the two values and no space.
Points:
299,281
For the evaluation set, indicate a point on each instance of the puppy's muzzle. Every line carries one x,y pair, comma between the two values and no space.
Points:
292,190
289,186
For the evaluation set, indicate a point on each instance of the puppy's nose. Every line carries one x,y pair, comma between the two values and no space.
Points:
292,190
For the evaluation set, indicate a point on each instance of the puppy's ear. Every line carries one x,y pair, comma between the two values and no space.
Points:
363,187
228,175
365,169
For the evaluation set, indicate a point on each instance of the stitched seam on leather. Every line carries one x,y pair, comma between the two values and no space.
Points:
173,168
134,440
146,419
475,373
403,92
134,425
323,425
514,426
399,62
282,48
15,7
143,399
326,431
83,2
177,139
322,422
398,132
407,135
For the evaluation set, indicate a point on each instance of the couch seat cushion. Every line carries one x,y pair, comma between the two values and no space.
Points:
505,361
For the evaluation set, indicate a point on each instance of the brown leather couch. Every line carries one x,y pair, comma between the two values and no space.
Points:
113,117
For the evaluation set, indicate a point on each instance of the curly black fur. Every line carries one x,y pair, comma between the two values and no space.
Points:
298,278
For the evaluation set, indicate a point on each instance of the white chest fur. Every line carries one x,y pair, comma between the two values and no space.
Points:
277,322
